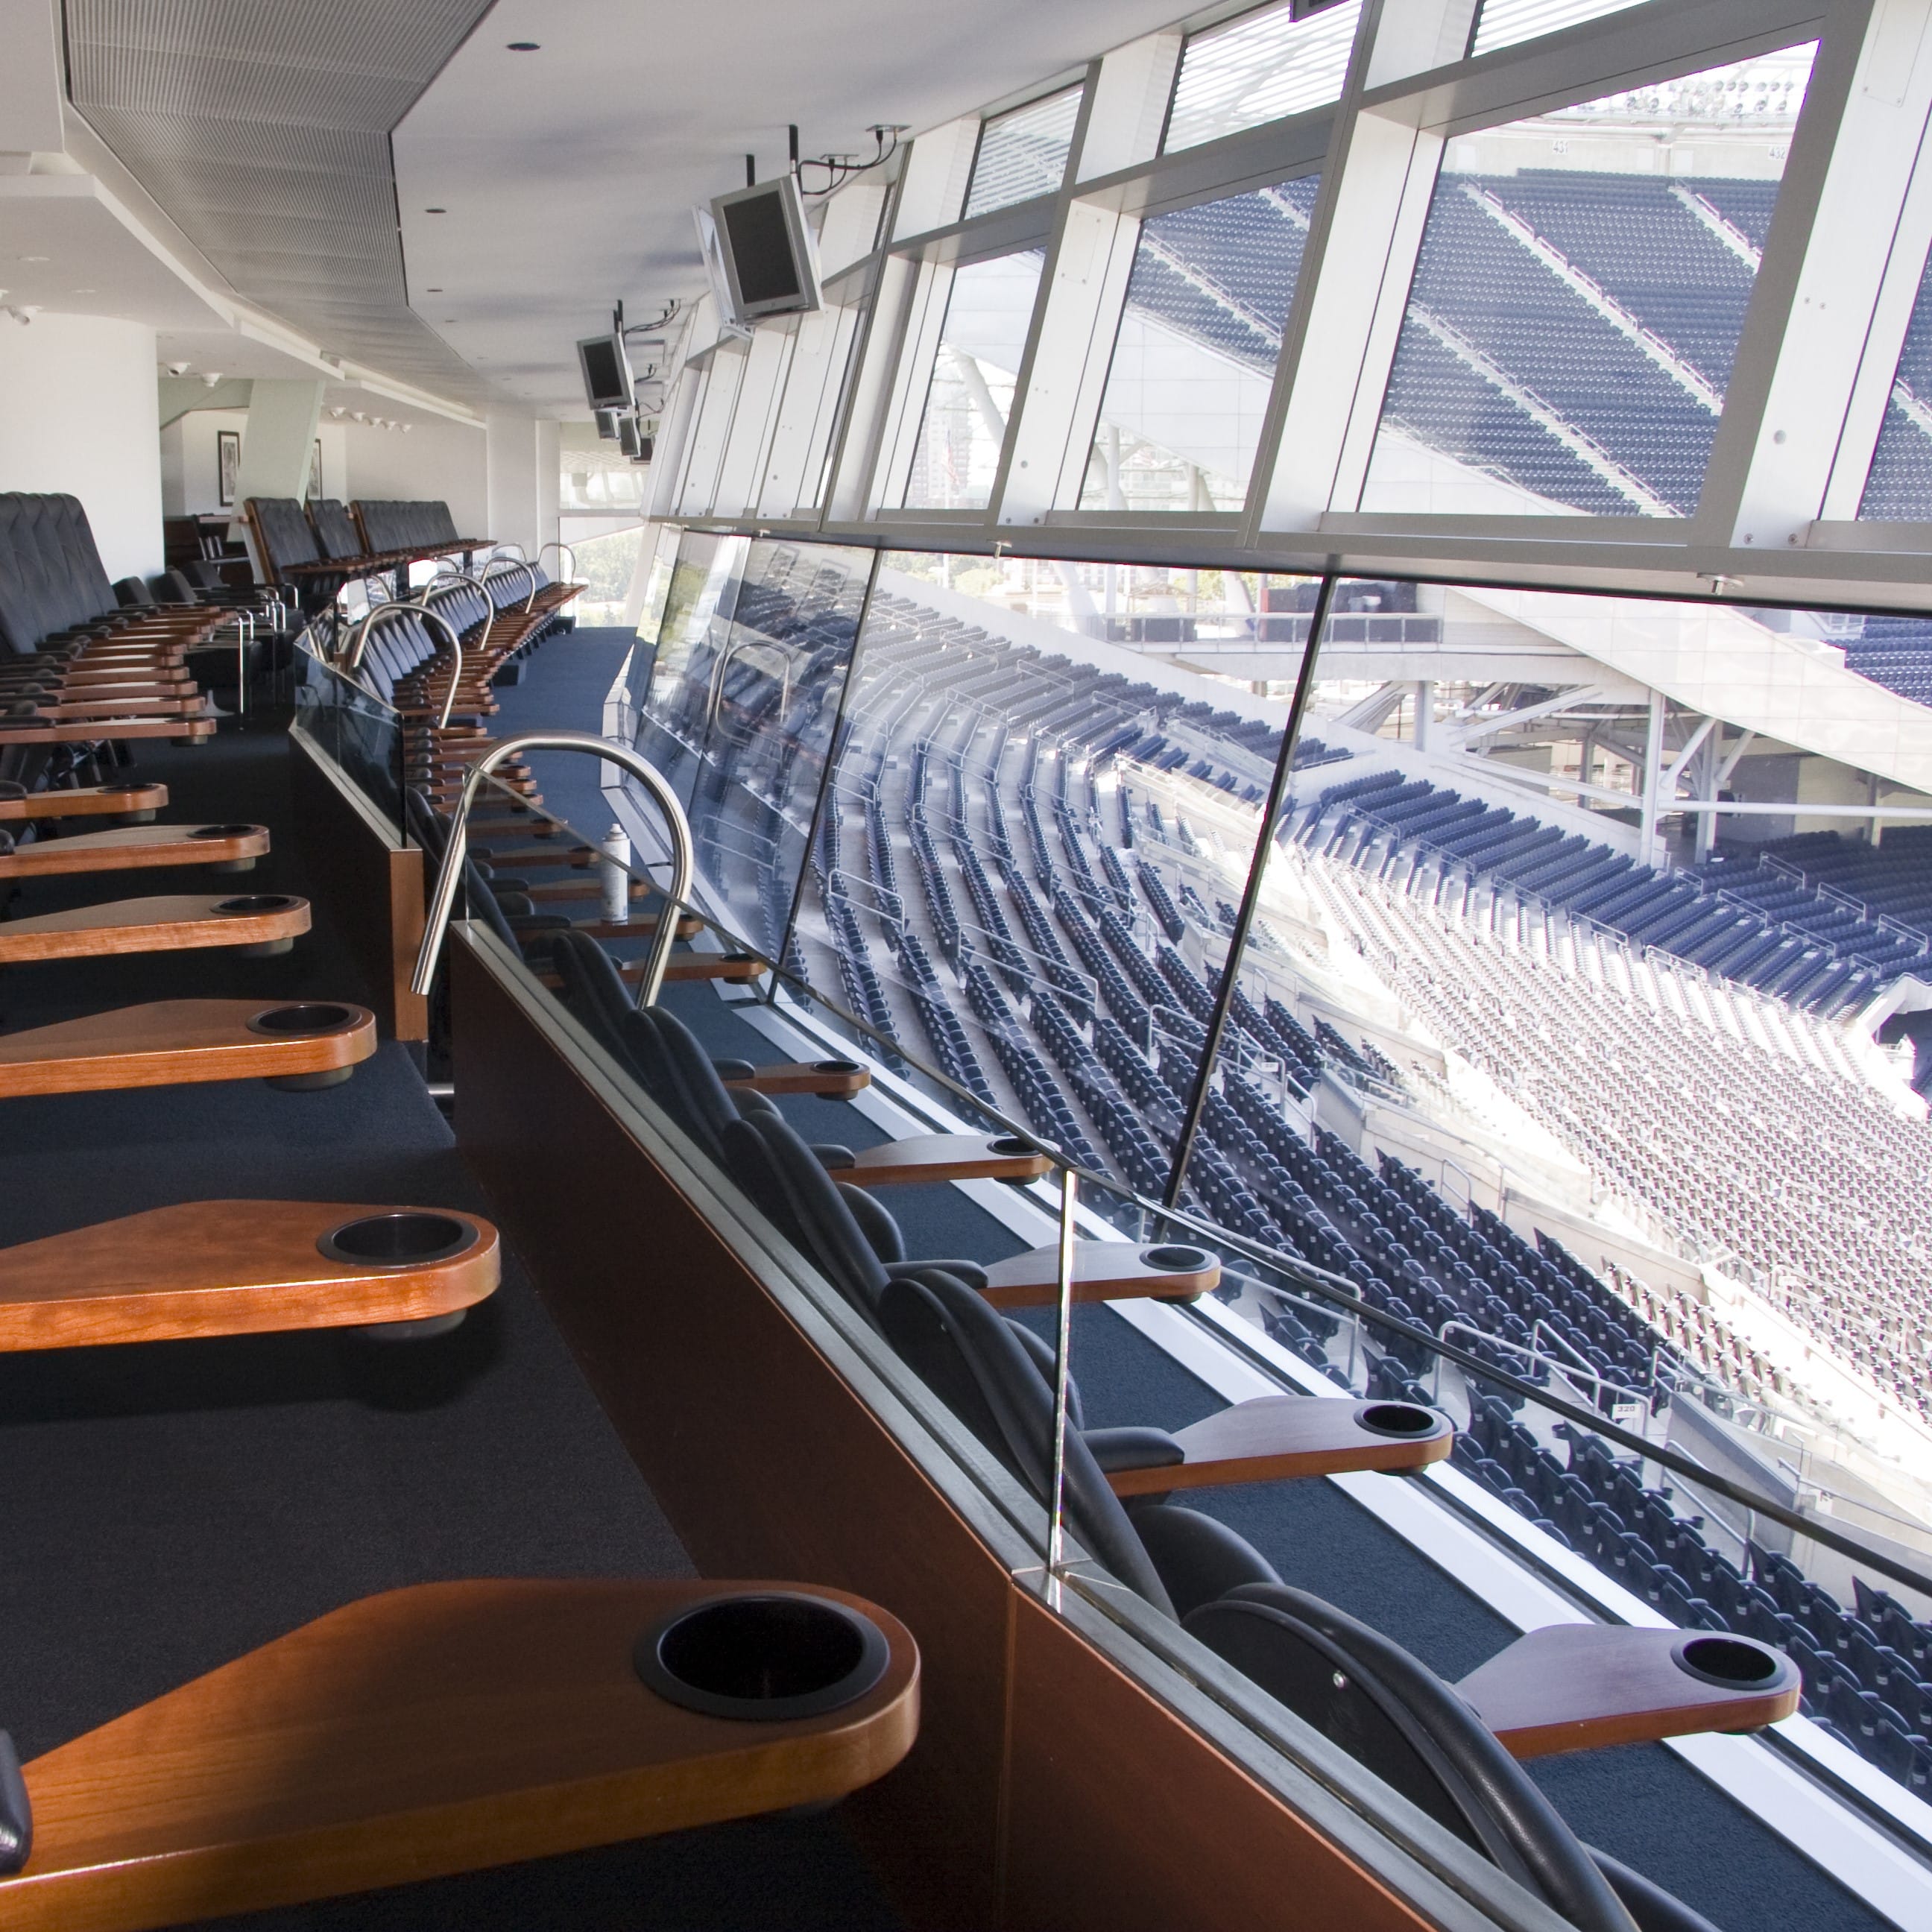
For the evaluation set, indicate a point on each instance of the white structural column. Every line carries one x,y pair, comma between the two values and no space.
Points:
279,442
512,442
1064,376
550,485
79,415
1355,273
1787,422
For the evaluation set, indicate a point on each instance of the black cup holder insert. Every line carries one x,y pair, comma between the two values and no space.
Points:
766,1656
836,1067
223,831
1010,1145
257,903
1730,1663
1397,1418
1175,1258
306,1017
399,1241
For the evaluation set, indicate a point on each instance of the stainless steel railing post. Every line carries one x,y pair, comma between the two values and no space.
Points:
352,656
683,855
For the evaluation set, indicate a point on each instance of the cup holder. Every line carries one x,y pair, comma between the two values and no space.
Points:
403,1239
767,1657
1010,1143
212,832
298,1021
836,1067
1731,1662
1175,1258
1406,1419
256,904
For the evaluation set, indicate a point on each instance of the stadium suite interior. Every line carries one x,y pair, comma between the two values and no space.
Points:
966,968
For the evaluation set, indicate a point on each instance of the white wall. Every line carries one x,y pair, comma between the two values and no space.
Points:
437,458
191,460
79,412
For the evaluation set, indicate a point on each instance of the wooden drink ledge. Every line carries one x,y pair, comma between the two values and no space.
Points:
137,848
86,802
453,1727
205,1268
177,1043
168,924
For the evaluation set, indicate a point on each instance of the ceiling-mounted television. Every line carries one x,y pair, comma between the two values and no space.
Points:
607,420
632,440
771,266
607,371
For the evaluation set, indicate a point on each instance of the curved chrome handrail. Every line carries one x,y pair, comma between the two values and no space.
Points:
563,550
522,563
723,664
360,636
504,550
683,857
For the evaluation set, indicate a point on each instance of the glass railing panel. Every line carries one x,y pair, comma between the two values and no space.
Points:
361,732
1028,863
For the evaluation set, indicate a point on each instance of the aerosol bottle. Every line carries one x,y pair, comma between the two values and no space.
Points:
616,851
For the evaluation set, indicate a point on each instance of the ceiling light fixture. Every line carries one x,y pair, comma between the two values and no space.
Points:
432,291
174,368
524,47
436,210
209,380
338,412
33,258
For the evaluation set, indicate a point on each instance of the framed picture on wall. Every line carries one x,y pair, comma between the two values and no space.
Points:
315,471
227,463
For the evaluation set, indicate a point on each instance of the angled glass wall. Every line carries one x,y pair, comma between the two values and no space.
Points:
1506,23
1899,489
1576,309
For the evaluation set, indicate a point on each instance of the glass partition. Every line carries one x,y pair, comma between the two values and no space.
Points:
357,729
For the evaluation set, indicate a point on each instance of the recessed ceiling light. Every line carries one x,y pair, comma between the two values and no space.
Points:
436,210
87,291
33,258
525,46
432,291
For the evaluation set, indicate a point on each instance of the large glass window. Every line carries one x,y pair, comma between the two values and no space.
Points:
1899,489
1278,60
1195,358
1579,298
1023,154
971,394
1504,23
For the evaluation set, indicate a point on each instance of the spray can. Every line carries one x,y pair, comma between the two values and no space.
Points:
616,877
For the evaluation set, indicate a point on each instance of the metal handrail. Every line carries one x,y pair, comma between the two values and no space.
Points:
360,637
564,550
723,664
683,855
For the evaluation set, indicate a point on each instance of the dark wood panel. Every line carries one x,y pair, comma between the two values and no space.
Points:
763,1458
1122,1819
372,886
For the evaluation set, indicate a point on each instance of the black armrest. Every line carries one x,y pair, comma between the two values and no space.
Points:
834,1157
1135,1447
17,1815
734,1070
971,1273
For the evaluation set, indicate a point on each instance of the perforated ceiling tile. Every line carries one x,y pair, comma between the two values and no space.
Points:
263,131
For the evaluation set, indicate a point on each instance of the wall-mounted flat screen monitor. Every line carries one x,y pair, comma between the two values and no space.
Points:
632,440
607,371
771,266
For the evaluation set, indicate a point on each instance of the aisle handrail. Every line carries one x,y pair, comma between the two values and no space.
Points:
683,855
360,636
